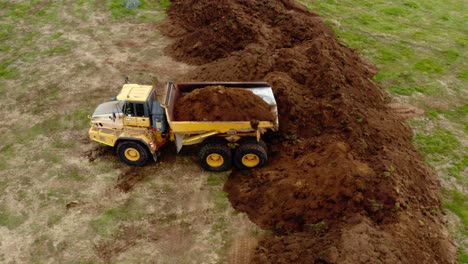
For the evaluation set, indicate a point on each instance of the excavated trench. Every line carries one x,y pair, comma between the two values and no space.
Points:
344,183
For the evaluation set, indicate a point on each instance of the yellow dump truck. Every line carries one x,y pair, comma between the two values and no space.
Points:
140,120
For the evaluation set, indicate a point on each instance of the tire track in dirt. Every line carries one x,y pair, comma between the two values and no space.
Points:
242,250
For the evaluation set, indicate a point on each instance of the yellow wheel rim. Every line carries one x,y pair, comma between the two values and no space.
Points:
215,160
250,160
132,154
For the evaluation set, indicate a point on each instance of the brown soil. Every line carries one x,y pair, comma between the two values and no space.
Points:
218,103
344,183
130,177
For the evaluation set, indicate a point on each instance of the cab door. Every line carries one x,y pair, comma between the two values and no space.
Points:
136,114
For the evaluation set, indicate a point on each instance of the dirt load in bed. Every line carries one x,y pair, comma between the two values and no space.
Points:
219,103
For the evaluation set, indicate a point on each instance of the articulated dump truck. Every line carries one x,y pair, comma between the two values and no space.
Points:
140,120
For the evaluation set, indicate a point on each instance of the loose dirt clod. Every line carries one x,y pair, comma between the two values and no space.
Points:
218,103
342,159
131,176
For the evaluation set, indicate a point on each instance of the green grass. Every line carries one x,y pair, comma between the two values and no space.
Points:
222,211
430,89
428,66
73,173
462,257
438,143
54,219
59,195
457,169
216,179
441,146
457,202
108,222
10,219
75,120
165,3
218,196
3,185
19,44
463,75
7,70
455,114
60,49
6,153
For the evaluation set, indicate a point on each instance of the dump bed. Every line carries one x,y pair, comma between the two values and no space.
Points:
174,91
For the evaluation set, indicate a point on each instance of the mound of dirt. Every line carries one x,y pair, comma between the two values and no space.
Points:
342,169
218,103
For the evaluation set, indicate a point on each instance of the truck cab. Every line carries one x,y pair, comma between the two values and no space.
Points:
134,122
141,107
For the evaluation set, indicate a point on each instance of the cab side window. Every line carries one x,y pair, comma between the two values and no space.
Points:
139,110
134,109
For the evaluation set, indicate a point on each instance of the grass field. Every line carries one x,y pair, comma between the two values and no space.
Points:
420,49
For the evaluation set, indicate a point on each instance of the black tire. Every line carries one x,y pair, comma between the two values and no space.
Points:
129,149
250,155
252,140
222,154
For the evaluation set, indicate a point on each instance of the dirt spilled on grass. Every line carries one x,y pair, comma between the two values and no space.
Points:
129,177
344,183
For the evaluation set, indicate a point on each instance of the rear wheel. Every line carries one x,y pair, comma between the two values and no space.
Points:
215,157
133,153
250,155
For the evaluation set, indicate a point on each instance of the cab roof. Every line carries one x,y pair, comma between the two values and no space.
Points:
134,92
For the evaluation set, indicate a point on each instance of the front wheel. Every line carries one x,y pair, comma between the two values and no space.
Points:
250,155
215,157
133,153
